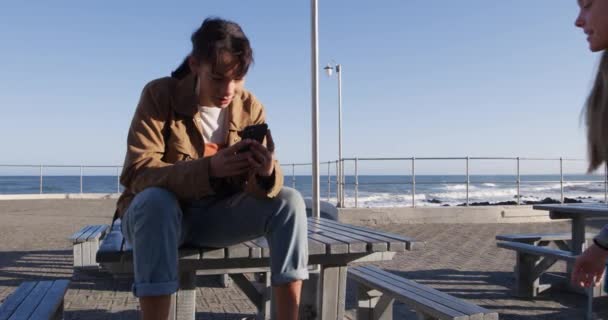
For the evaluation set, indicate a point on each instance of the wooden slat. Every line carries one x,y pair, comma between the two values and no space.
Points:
531,237
212,253
15,299
255,251
99,232
263,244
354,245
417,302
237,251
33,299
52,300
372,245
537,250
95,231
399,239
85,236
432,294
79,233
579,209
393,244
316,247
189,253
332,246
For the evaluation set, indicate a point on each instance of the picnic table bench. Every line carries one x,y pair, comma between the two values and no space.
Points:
35,300
532,248
85,243
331,245
534,257
377,290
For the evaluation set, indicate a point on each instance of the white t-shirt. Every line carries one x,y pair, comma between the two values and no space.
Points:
214,124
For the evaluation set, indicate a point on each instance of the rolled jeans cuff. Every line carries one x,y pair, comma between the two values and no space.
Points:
289,276
155,289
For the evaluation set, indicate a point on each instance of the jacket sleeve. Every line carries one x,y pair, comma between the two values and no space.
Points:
271,188
144,167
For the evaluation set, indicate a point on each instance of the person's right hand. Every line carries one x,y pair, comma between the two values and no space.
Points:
227,162
589,267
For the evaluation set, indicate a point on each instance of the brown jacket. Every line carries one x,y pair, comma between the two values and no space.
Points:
165,146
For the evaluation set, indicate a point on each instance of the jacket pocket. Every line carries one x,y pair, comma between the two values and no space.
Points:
233,137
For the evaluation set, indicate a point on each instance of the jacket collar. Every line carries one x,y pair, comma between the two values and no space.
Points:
185,98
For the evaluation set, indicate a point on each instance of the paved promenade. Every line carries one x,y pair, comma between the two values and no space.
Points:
461,260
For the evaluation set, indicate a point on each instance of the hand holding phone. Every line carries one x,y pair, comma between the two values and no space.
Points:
255,132
261,157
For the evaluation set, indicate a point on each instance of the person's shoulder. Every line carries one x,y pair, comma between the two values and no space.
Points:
250,101
164,86
156,96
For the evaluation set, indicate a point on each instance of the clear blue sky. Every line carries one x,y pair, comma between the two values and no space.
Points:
420,78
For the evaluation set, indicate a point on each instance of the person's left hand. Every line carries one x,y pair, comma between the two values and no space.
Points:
589,267
262,157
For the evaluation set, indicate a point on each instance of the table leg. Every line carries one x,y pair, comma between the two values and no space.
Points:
579,244
578,240
184,300
578,235
332,292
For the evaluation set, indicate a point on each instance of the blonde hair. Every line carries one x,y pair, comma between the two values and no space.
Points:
596,116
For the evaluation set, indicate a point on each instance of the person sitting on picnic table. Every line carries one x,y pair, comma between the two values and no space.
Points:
593,19
189,181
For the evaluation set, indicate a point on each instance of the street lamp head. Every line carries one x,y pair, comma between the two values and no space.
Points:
329,70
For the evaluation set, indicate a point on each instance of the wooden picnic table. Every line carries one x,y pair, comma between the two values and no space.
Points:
332,245
578,214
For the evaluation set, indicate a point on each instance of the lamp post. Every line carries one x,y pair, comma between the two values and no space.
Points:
314,44
340,174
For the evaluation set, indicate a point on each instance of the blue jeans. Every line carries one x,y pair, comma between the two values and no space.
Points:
155,224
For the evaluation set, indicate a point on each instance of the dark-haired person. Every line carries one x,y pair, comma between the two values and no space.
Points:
185,182
593,20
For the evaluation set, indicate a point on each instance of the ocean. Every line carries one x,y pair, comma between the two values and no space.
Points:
373,190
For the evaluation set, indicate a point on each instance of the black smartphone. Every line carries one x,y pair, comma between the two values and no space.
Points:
255,132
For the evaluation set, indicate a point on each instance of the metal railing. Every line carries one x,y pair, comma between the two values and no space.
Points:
341,184
41,175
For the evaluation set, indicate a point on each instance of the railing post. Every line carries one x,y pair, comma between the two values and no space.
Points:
342,182
468,181
293,175
518,182
117,179
561,179
338,203
413,182
356,183
81,179
40,179
328,181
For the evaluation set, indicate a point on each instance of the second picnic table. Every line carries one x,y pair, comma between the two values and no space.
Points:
578,214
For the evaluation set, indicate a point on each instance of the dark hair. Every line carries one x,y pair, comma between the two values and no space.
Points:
214,37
